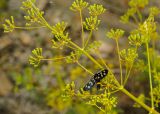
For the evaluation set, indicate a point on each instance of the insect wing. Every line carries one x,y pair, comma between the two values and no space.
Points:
100,75
95,79
89,85
104,73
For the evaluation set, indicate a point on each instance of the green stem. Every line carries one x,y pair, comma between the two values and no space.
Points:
139,15
154,57
103,62
82,35
135,19
99,108
73,48
53,59
84,68
90,35
151,110
27,28
128,74
150,77
89,56
120,64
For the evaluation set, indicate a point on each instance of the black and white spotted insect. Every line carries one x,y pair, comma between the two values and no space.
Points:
95,79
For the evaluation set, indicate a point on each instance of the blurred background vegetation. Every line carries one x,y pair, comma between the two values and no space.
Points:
28,90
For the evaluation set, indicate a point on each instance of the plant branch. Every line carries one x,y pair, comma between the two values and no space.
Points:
99,55
82,35
84,52
139,15
120,64
151,110
150,77
28,28
128,74
89,37
84,68
53,59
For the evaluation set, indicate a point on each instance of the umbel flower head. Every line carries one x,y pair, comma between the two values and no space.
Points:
91,23
59,28
33,14
103,99
130,12
148,28
154,11
60,35
96,10
138,3
9,25
36,57
115,34
136,39
128,55
78,5
69,91
135,5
